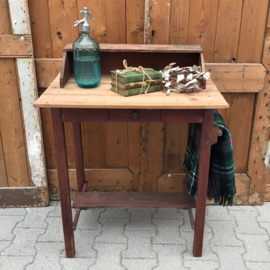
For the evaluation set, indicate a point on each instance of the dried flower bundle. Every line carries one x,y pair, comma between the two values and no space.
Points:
183,80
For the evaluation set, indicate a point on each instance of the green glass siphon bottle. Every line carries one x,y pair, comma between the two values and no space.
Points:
86,55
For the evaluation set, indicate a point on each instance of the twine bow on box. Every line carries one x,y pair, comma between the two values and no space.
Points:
139,69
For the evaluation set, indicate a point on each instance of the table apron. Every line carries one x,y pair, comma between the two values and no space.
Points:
132,115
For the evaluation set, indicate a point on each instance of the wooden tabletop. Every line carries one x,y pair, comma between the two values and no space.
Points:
71,96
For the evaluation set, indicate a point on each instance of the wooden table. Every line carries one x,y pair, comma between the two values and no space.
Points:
76,105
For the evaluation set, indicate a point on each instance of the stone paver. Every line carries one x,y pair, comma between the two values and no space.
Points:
112,230
169,256
35,217
108,256
235,237
23,243
208,254
231,257
141,219
168,232
135,264
54,232
84,242
139,245
224,234
7,225
258,266
48,256
202,265
264,213
247,223
256,247
15,262
77,264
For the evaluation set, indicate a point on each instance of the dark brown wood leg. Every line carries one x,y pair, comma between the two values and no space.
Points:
204,161
62,170
77,138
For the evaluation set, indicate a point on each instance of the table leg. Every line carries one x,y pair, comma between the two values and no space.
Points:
204,161
77,139
63,179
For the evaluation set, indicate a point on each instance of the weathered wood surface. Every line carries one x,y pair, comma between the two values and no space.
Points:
14,46
12,130
103,97
230,32
133,199
257,169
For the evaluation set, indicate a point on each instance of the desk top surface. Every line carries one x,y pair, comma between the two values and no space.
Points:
71,96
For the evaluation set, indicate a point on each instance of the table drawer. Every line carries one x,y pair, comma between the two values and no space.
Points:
134,115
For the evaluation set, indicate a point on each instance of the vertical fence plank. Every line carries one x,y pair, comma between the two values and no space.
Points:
159,22
12,130
62,16
5,22
134,152
228,28
46,120
257,170
116,145
3,171
94,138
179,18
40,27
116,21
252,31
175,137
202,26
135,21
152,155
98,11
239,120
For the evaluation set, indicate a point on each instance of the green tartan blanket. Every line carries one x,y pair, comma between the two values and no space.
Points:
221,184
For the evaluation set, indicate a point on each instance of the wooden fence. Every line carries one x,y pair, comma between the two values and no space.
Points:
235,36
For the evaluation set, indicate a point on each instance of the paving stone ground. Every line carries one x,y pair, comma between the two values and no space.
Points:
235,237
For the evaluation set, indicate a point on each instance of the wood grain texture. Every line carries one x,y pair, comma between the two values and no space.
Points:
13,46
62,16
94,137
257,170
5,27
252,31
202,26
179,19
3,171
159,16
48,139
237,78
227,77
267,193
135,21
98,179
133,199
116,145
98,10
116,21
47,70
227,33
172,182
238,118
12,130
134,152
102,97
152,155
175,143
40,28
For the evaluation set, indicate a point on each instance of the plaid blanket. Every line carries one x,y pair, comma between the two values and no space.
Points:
221,183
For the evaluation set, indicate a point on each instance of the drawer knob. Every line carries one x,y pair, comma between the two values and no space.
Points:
135,115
